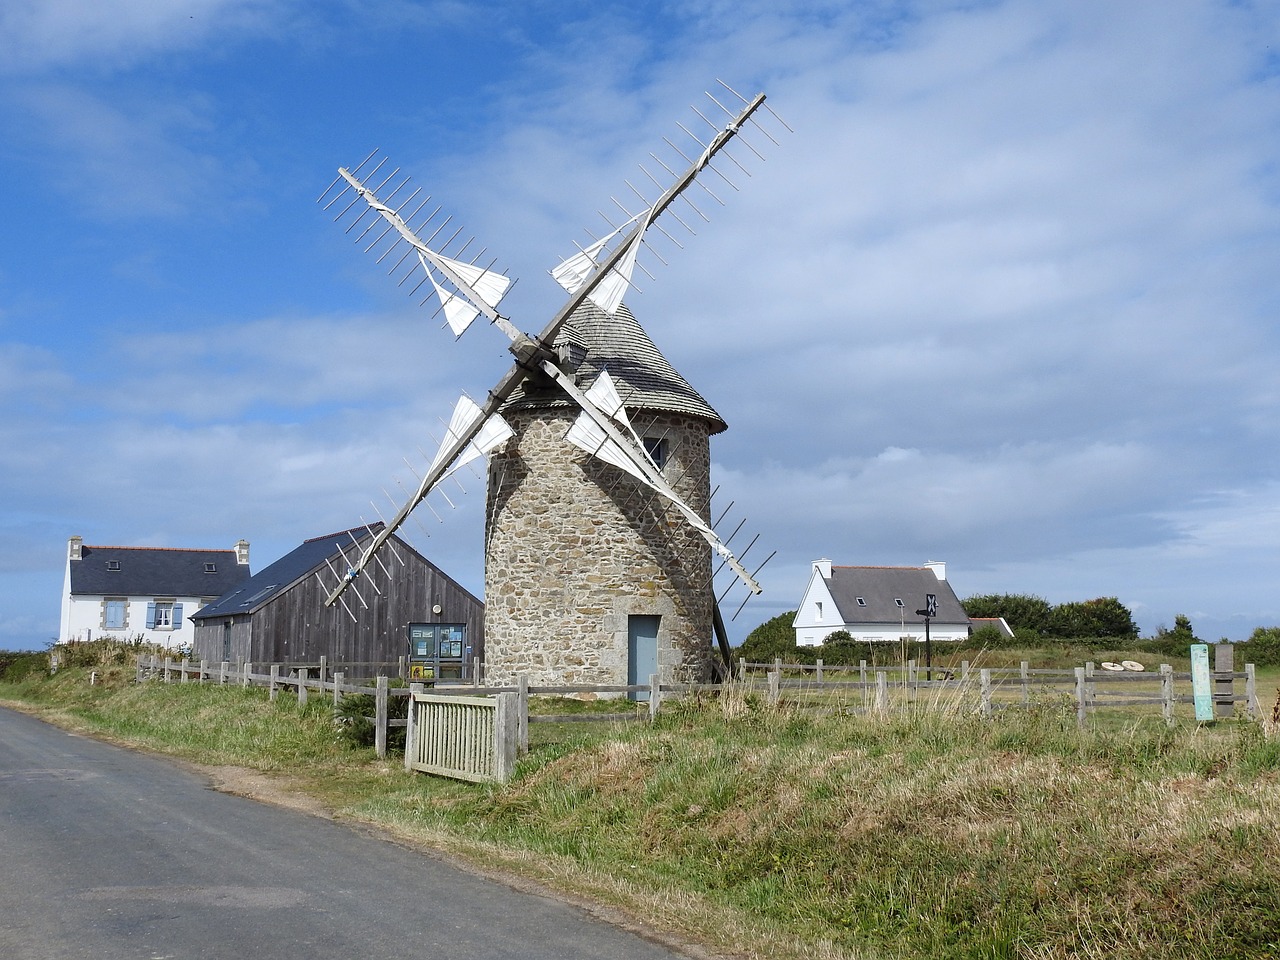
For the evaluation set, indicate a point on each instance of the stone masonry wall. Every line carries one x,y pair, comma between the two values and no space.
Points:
575,546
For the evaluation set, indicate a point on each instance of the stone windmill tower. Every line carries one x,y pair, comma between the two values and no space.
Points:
599,543
581,551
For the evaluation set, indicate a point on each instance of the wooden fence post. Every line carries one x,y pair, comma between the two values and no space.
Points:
380,719
182,671
655,697
504,736
985,679
1082,696
818,675
1251,691
964,669
245,677
1224,704
302,686
402,670
168,666
1024,675
862,671
742,668
882,692
1166,692
775,691
223,669
274,685
411,721
324,670
522,714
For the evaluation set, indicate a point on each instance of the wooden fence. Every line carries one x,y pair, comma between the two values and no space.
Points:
994,689
461,730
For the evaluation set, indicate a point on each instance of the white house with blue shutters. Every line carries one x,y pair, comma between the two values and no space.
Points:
146,592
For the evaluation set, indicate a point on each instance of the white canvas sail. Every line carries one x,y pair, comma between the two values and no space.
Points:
493,434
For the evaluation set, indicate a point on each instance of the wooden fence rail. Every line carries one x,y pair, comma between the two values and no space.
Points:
988,690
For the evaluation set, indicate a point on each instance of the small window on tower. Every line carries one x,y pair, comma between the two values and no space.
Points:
656,447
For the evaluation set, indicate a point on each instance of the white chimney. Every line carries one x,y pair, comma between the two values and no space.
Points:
242,552
823,567
939,568
74,546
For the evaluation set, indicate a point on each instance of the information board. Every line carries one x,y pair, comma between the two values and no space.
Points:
1201,686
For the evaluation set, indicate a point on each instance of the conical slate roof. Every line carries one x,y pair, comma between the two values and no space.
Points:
645,378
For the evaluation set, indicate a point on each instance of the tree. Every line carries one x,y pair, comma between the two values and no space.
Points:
1103,617
1020,611
772,639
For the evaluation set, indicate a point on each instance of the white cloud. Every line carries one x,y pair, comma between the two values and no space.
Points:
44,34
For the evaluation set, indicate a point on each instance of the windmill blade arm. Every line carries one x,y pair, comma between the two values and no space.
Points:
606,265
445,265
641,466
453,448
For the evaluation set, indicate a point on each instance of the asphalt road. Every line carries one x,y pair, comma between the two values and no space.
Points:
107,853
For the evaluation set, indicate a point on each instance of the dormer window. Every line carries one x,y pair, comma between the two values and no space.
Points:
898,601
113,564
862,602
213,568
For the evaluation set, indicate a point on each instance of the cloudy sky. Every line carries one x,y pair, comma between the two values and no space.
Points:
1007,296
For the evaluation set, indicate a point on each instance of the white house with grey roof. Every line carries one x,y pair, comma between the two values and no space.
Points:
147,592
878,604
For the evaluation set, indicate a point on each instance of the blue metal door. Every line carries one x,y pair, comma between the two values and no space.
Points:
642,651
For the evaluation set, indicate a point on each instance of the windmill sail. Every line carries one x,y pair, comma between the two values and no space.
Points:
601,273
493,432
487,285
574,272
617,447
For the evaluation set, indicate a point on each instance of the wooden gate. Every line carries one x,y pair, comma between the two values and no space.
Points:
467,738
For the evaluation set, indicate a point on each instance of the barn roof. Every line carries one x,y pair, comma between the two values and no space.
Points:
274,579
646,379
155,572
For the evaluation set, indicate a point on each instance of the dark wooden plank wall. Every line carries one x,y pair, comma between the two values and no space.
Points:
297,627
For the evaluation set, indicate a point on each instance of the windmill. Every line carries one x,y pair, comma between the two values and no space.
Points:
598,535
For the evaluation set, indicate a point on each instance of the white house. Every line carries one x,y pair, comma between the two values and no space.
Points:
878,604
147,592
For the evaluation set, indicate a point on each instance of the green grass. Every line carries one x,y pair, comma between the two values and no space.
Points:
773,832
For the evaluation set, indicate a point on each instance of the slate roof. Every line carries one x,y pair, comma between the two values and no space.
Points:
154,572
274,579
881,587
646,379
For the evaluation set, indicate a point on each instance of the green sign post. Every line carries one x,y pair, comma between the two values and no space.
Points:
1201,687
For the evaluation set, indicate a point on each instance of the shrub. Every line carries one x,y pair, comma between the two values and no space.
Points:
355,713
16,667
1261,649
772,639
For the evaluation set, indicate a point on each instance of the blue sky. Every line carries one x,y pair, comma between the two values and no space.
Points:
1007,297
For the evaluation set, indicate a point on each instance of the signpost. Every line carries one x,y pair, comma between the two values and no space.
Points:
1201,687
929,612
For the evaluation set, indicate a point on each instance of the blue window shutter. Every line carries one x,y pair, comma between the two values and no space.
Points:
177,616
151,616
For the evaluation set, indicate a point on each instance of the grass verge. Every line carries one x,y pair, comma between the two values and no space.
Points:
762,832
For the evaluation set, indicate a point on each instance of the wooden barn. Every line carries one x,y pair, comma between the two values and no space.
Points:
278,615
